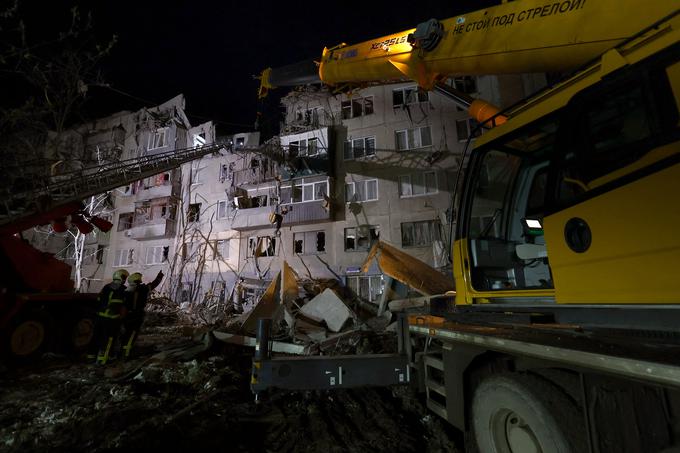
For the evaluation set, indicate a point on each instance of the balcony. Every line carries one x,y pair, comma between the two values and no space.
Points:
153,229
295,214
308,212
252,218
154,191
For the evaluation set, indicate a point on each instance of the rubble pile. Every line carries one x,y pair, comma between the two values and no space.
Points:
192,393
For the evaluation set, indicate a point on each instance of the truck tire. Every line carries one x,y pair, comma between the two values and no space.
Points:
521,413
81,333
28,335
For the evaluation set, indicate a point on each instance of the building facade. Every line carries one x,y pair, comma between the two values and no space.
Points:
346,171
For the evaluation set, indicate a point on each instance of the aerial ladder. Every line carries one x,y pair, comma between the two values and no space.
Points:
37,301
562,332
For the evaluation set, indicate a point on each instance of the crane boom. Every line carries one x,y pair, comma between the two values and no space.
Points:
513,37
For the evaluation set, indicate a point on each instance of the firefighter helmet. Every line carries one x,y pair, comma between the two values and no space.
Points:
135,278
120,274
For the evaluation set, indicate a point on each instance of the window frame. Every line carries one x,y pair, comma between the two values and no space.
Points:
301,188
371,240
350,199
119,255
304,235
405,96
162,133
218,253
363,102
424,180
163,255
371,278
348,147
250,252
434,232
411,133
194,212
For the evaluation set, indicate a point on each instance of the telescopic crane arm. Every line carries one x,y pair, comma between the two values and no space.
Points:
513,37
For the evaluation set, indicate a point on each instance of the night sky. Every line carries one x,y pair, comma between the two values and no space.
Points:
209,50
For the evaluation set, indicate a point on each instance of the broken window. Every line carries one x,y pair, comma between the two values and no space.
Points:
199,139
157,255
157,139
142,213
309,243
466,128
261,246
223,209
161,209
191,250
368,288
194,212
220,249
100,254
89,255
408,95
258,201
358,191
125,221
418,234
417,184
196,170
224,172
312,146
419,137
124,257
361,238
359,147
353,108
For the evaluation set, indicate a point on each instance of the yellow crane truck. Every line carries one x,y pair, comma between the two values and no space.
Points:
563,333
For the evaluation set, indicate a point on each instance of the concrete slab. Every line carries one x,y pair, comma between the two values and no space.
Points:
329,307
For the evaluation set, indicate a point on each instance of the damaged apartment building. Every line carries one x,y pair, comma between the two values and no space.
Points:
346,171
145,213
379,164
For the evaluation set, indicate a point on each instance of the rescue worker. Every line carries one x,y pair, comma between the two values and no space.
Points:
136,295
111,310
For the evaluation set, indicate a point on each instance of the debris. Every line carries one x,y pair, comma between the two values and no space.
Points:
404,304
329,307
270,303
276,346
409,270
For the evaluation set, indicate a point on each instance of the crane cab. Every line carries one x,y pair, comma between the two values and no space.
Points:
573,201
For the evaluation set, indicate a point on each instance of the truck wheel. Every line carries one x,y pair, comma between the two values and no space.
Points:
520,413
81,333
29,335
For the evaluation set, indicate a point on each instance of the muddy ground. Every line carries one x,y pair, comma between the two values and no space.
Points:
179,394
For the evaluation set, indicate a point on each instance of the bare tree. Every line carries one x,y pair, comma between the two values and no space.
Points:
48,78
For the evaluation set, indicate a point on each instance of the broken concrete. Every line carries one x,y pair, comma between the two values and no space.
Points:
329,307
276,346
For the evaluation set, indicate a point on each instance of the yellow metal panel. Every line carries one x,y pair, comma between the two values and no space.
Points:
514,37
409,270
634,256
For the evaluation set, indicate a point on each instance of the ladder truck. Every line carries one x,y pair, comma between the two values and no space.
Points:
562,334
39,310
